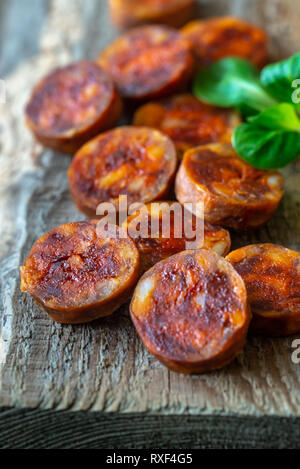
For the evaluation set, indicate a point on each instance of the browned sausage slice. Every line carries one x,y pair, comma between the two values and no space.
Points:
71,105
188,121
77,272
215,38
233,193
161,231
148,62
134,161
272,277
190,311
129,13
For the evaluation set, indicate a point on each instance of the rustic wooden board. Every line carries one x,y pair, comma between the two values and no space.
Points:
103,365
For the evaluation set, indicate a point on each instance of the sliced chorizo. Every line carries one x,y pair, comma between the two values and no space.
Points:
161,230
128,13
188,121
272,277
134,161
233,193
71,105
149,62
190,310
79,271
215,38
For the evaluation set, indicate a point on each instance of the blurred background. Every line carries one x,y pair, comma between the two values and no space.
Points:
36,36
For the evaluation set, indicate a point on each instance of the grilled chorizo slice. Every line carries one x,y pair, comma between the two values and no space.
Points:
188,121
215,38
161,230
272,277
79,271
234,193
148,62
128,13
72,105
134,161
190,311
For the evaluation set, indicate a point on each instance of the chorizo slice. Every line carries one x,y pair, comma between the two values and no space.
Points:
128,13
272,277
163,229
134,161
233,193
71,105
148,62
215,38
190,310
188,121
80,271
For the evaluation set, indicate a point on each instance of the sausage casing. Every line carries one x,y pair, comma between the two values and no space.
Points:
155,245
138,162
149,62
272,277
215,38
71,105
191,312
78,273
234,193
188,121
128,13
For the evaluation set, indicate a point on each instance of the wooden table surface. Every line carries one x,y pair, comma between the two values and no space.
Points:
103,366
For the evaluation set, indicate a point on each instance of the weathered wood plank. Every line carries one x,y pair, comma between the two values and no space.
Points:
103,365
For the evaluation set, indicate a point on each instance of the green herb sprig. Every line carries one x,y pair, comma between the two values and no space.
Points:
270,136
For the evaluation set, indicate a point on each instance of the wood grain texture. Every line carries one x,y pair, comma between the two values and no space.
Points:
47,429
103,365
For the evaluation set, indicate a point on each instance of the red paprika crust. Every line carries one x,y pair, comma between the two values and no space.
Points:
190,310
138,162
154,245
188,121
77,274
149,62
234,193
215,38
272,277
129,13
71,105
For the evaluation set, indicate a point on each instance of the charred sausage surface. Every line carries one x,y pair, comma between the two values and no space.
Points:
138,162
234,193
129,13
149,62
190,311
188,121
164,228
216,38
